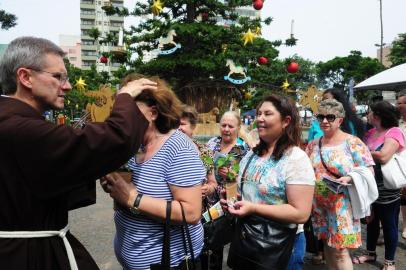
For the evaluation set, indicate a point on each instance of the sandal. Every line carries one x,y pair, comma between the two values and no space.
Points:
388,265
366,256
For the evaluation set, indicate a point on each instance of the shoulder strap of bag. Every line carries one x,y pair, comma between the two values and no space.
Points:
186,233
322,161
166,248
243,173
379,148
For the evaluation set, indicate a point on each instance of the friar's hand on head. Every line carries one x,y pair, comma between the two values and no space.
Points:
134,88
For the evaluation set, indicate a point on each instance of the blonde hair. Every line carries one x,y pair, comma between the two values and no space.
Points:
332,105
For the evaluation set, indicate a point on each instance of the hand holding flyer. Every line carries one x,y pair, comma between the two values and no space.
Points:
334,185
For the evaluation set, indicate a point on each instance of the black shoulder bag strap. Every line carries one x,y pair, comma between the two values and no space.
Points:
322,161
166,248
186,234
245,170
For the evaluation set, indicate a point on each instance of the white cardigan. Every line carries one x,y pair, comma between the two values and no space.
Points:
363,191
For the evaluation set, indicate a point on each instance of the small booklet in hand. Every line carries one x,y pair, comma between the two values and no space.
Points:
334,185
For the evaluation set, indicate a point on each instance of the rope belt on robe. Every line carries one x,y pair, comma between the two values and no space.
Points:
40,234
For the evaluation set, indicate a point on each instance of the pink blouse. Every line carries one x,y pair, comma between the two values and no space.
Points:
373,142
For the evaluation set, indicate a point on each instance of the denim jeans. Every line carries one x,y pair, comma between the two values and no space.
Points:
388,215
298,252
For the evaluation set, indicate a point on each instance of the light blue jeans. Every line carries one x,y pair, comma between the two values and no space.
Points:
298,252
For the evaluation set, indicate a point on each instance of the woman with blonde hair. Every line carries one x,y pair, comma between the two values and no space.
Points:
167,168
336,155
228,143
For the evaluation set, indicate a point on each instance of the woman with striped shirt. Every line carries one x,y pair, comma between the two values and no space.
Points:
168,167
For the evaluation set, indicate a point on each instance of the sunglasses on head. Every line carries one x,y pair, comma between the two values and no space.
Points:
329,117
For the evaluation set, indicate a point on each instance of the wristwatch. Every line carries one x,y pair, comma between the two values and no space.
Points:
134,209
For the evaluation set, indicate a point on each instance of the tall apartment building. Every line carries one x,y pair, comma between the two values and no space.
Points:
70,44
246,11
93,16
385,56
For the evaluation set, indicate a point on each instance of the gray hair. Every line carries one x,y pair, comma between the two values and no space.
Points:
24,52
401,94
234,114
332,105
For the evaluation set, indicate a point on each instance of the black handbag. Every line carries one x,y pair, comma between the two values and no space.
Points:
189,262
219,232
261,243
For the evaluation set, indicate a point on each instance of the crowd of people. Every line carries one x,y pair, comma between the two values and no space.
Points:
334,183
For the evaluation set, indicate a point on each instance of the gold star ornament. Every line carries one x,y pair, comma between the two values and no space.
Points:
258,31
248,37
80,84
285,84
156,7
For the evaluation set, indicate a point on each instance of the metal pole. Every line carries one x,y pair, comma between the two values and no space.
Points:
381,45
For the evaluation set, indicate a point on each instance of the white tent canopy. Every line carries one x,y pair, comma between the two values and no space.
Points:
393,79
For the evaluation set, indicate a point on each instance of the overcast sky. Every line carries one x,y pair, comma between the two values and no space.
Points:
325,28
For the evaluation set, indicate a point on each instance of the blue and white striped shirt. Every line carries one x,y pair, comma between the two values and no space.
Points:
139,239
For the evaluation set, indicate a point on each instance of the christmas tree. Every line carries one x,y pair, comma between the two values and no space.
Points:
196,39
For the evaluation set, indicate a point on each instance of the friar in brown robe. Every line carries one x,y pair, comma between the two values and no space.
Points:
45,169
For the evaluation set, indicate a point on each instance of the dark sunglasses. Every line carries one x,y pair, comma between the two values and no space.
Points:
329,117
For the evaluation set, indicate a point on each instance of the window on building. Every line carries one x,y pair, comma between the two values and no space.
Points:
89,53
72,51
88,63
87,11
87,22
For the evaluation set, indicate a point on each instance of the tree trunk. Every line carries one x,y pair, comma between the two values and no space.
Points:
190,11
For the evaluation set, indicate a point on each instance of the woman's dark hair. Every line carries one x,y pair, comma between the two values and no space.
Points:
168,106
388,114
350,116
292,133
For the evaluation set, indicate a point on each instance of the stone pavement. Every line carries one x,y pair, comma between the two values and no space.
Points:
94,227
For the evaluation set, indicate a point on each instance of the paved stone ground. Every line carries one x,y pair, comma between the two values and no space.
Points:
94,227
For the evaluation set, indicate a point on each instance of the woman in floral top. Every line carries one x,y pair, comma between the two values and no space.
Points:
227,144
333,220
278,182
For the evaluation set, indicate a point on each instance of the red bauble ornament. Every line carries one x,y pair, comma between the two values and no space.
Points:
258,4
205,16
293,67
104,59
262,60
